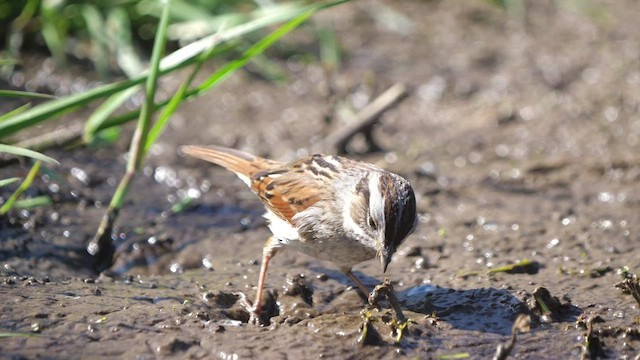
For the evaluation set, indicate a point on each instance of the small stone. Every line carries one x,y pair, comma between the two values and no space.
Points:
35,327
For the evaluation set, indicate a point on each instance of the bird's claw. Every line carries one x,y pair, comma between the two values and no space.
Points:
255,318
253,310
386,290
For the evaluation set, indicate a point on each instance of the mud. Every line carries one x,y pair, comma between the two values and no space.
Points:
521,136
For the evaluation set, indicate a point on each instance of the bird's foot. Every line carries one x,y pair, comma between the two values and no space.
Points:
386,290
253,310
255,318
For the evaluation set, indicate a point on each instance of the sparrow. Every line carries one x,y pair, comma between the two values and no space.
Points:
329,207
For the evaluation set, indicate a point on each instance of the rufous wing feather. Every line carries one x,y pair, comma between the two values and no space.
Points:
287,194
283,188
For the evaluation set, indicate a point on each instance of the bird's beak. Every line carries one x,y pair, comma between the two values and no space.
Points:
385,257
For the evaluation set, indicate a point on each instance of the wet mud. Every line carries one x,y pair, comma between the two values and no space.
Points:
520,135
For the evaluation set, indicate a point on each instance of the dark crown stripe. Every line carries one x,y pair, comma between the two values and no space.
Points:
318,159
400,208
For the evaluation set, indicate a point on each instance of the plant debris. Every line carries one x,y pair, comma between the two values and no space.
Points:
398,323
521,324
548,307
524,266
630,284
593,347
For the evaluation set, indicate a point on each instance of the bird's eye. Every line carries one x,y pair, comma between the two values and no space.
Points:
371,222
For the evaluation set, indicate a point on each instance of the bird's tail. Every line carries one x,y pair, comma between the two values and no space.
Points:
240,162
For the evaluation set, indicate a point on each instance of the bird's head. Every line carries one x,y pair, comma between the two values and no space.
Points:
390,207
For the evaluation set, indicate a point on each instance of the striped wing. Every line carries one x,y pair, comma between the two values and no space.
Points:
285,189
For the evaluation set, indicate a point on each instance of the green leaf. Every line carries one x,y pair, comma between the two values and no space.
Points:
256,49
24,186
223,73
9,335
104,111
43,200
174,103
14,150
95,26
15,111
54,108
461,355
329,49
136,150
108,136
53,28
15,93
5,182
9,62
182,57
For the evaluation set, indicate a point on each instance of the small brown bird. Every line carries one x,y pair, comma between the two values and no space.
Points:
329,207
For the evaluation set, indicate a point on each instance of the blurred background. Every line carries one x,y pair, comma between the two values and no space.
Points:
517,123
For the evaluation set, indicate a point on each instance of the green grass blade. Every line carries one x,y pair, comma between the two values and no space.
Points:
38,201
263,19
16,35
102,117
223,72
461,355
220,75
136,151
329,49
54,108
148,107
5,182
14,93
23,186
126,117
173,104
178,59
53,30
104,111
24,335
14,150
253,51
119,26
15,112
4,62
182,205
95,26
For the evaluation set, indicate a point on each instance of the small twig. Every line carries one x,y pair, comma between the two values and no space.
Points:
366,118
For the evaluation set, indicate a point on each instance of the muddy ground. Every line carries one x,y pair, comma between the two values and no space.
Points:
520,134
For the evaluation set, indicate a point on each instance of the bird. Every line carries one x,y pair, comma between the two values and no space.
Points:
329,207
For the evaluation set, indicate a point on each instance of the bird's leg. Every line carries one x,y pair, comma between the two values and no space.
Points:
268,252
360,285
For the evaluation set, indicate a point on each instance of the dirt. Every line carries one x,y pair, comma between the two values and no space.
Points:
520,135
